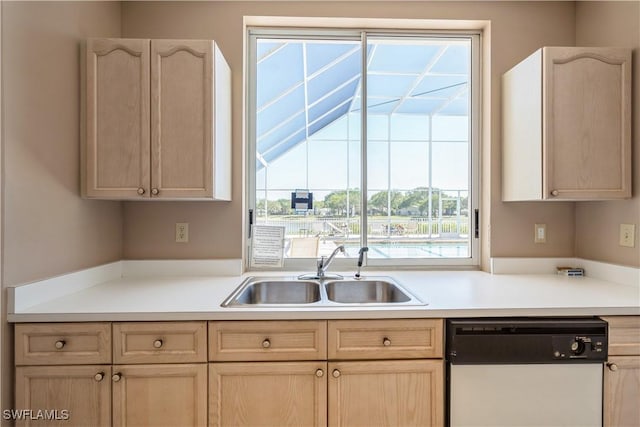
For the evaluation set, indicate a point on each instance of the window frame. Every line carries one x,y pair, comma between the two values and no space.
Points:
252,33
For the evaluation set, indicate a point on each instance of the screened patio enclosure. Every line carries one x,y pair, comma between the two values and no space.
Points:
412,139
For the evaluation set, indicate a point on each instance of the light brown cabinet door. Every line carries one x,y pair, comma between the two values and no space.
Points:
117,157
182,118
69,395
386,393
159,395
622,392
587,126
268,394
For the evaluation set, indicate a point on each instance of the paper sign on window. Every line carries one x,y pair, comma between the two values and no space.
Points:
267,249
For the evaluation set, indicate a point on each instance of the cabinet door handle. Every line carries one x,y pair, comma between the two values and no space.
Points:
60,344
554,192
157,343
319,373
266,343
386,342
99,376
335,373
116,377
612,367
141,191
155,191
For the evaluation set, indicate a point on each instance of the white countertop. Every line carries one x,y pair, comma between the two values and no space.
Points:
446,294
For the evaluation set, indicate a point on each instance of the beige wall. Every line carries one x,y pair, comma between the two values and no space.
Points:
48,228
517,29
5,358
597,223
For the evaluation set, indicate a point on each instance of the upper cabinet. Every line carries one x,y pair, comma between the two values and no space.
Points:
157,120
566,125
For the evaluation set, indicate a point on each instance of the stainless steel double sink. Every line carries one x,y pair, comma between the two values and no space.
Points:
290,291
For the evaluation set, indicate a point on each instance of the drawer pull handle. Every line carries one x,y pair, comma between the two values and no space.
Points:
116,377
157,343
60,344
612,367
386,342
335,373
319,373
99,376
266,343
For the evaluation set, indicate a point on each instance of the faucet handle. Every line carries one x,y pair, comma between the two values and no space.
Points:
361,255
360,260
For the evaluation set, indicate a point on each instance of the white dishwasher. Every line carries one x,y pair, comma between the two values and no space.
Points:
530,372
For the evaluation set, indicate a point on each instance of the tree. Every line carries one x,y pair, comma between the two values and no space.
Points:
337,202
379,202
416,198
279,207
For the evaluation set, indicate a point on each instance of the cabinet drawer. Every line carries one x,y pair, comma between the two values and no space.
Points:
624,335
62,343
268,340
159,342
385,339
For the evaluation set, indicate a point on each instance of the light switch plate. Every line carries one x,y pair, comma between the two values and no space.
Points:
540,235
627,235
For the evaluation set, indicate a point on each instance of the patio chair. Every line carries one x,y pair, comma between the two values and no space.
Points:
304,247
377,229
411,228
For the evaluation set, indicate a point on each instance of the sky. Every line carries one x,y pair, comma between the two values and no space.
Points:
308,102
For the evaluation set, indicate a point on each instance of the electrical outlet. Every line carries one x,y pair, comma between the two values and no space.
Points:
540,235
182,232
627,235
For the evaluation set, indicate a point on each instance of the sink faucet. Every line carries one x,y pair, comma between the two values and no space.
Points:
323,263
360,260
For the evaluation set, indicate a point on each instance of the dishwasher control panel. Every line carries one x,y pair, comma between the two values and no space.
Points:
579,347
526,340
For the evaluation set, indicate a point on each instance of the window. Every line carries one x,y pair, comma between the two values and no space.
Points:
380,129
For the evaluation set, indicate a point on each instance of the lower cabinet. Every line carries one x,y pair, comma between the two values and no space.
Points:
154,374
386,393
246,373
371,373
268,394
268,373
160,395
127,395
622,374
622,392
70,395
368,393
